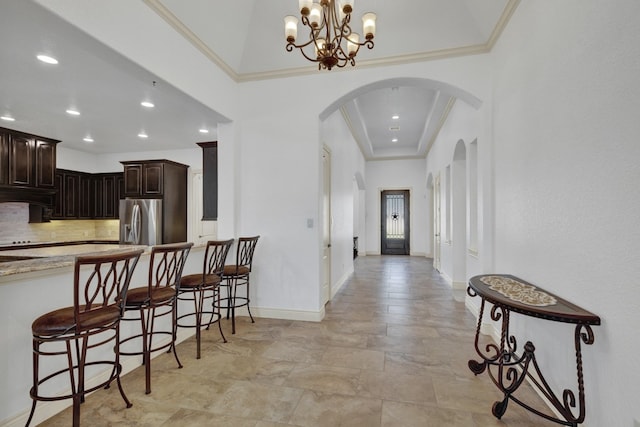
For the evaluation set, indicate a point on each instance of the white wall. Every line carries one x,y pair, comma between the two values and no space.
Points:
398,175
566,129
346,161
464,126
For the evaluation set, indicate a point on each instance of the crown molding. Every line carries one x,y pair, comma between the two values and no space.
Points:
190,36
443,119
184,31
504,19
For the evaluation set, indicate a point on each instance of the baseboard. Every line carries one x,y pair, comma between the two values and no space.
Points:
459,285
446,278
336,288
279,313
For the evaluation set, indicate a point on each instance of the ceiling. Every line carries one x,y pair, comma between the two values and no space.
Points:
107,88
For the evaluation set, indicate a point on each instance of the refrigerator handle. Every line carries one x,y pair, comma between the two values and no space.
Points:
135,224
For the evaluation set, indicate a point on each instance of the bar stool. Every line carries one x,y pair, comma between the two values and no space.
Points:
100,284
156,300
195,287
238,275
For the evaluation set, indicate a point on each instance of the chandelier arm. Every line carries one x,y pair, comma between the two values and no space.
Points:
291,45
368,43
307,56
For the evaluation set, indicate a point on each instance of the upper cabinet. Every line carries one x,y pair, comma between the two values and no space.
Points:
27,160
21,160
145,178
45,152
83,195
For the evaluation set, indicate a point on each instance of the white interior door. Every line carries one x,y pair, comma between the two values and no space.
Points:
326,226
436,223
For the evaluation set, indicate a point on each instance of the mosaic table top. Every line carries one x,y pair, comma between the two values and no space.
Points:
515,294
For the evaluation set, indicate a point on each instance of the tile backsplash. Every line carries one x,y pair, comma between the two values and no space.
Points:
14,226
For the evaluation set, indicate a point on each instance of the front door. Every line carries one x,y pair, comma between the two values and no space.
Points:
395,222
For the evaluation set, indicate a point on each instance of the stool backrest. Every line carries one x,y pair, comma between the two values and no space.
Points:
166,264
244,251
215,257
102,281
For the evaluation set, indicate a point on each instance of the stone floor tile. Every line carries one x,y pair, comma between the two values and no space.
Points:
330,410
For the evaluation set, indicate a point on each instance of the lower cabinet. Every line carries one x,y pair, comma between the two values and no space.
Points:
83,195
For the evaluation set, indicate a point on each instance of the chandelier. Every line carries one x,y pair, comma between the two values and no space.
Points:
331,43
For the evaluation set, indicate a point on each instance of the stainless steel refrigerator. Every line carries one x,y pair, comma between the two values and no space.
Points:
141,221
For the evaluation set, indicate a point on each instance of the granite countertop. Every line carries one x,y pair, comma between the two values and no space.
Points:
45,258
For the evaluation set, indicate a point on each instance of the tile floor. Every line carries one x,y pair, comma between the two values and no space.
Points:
391,351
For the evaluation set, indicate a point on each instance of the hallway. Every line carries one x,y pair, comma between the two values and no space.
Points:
391,351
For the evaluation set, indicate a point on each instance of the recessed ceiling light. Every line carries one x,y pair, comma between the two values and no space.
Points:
394,127
73,112
204,130
394,140
7,118
143,135
395,117
47,59
87,139
147,104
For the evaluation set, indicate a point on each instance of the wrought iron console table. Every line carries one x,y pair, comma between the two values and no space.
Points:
506,368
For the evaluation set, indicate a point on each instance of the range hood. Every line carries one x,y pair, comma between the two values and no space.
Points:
40,200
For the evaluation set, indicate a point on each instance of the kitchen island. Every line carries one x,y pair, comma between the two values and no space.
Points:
33,259
32,287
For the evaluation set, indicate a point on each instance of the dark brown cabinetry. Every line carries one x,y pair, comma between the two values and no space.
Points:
27,171
66,204
210,180
4,158
146,179
45,153
161,179
107,192
26,160
21,150
83,195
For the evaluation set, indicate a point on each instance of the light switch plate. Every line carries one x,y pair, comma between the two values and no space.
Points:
309,222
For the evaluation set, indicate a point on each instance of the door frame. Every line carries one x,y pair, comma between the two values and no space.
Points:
437,222
325,261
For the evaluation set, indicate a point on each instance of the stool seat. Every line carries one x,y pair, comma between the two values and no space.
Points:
140,296
195,280
236,270
62,321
